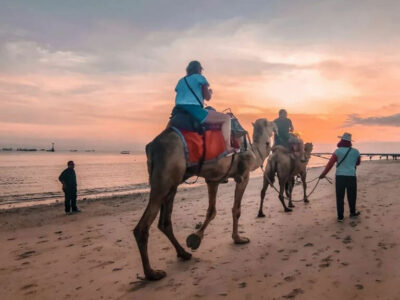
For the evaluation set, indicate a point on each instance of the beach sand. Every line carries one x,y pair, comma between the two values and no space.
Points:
304,254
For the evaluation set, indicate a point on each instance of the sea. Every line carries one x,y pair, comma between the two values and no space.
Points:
31,178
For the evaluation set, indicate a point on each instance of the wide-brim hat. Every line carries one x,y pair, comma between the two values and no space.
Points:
346,136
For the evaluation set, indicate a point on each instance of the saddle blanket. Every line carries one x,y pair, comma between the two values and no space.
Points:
193,143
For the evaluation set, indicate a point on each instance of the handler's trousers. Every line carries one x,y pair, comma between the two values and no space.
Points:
70,200
343,184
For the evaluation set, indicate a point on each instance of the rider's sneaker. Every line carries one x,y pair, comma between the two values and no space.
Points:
340,219
232,151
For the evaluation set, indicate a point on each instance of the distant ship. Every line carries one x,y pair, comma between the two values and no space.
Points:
52,148
73,150
7,149
125,152
90,150
26,149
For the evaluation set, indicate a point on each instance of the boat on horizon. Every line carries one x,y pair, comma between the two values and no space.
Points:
52,148
7,149
73,150
125,152
27,149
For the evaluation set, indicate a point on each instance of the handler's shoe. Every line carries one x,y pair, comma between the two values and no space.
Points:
340,220
355,215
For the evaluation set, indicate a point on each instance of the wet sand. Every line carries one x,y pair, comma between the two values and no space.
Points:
304,254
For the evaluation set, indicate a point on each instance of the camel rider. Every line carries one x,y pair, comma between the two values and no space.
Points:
191,91
284,135
284,126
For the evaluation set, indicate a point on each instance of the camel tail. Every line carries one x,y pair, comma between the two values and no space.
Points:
149,160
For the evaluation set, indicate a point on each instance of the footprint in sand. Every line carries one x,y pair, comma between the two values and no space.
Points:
289,278
347,240
116,269
293,293
359,286
25,254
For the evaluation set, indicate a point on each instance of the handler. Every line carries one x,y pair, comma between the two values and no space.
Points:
347,159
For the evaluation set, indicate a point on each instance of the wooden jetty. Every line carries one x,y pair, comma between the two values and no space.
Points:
394,156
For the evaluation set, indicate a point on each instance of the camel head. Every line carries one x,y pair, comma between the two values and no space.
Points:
308,147
262,132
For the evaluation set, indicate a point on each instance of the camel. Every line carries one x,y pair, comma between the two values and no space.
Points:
167,169
286,166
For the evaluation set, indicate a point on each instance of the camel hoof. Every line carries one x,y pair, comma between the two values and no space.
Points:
287,209
260,215
242,240
184,255
193,241
291,205
154,275
306,200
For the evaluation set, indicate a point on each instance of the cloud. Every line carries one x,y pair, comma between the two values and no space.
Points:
392,120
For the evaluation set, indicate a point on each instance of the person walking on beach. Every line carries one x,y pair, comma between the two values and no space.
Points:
347,159
69,186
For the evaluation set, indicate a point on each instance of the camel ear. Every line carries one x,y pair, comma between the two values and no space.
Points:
252,123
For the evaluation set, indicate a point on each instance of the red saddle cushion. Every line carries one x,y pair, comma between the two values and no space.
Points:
215,144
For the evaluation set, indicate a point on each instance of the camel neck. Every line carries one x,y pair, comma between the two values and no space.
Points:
260,152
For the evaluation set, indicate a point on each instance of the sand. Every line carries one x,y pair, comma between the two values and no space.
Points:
304,254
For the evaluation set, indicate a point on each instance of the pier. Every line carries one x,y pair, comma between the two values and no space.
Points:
394,156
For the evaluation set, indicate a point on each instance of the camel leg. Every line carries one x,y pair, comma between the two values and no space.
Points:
239,190
290,185
141,233
263,192
193,241
281,197
165,224
303,179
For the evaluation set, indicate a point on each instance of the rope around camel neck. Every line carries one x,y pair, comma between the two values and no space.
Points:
312,191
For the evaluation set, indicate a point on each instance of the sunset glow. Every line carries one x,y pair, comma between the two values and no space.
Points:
103,76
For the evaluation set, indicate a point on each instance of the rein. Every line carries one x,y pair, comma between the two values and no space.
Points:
273,186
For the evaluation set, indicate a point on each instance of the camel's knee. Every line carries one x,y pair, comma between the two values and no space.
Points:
164,225
141,234
236,213
263,191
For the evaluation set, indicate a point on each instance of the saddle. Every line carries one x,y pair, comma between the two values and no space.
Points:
204,142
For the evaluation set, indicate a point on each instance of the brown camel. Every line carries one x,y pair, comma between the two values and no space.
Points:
286,166
166,164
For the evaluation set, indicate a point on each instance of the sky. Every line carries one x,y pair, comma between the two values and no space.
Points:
99,74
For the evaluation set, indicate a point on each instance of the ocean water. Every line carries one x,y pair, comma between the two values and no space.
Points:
30,178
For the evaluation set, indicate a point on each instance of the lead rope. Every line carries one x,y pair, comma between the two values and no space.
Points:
273,186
